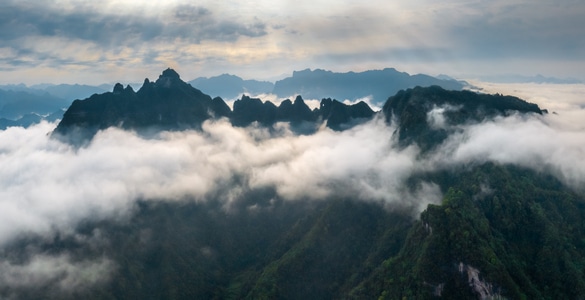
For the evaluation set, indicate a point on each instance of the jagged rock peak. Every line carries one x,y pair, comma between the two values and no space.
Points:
168,78
299,99
169,73
118,88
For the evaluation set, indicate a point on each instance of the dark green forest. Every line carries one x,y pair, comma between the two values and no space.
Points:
521,231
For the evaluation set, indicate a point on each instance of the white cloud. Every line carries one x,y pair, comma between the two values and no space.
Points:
436,116
529,142
59,271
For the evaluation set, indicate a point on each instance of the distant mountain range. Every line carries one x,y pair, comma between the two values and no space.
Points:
24,106
19,100
68,92
15,104
31,119
318,84
230,86
378,84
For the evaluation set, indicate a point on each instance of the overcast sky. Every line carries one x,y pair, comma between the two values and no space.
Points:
94,42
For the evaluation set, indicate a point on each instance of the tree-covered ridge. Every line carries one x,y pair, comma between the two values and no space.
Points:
501,231
412,112
200,251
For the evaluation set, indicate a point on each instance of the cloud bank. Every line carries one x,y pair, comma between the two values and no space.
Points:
46,185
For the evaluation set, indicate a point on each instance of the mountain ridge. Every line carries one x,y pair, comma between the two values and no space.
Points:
378,84
169,103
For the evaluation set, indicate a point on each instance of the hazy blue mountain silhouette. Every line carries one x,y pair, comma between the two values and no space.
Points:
68,92
379,84
15,104
230,86
74,91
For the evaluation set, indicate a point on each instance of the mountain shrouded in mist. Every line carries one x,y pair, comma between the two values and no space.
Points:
428,116
442,194
172,104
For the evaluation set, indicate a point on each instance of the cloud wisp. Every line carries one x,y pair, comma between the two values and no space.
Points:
58,271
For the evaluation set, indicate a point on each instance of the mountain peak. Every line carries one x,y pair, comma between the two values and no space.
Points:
299,100
168,78
118,88
169,73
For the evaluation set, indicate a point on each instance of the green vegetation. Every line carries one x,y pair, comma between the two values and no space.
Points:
521,230
520,233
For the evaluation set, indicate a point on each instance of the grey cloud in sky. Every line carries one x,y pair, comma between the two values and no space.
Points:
49,21
265,39
191,23
533,29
